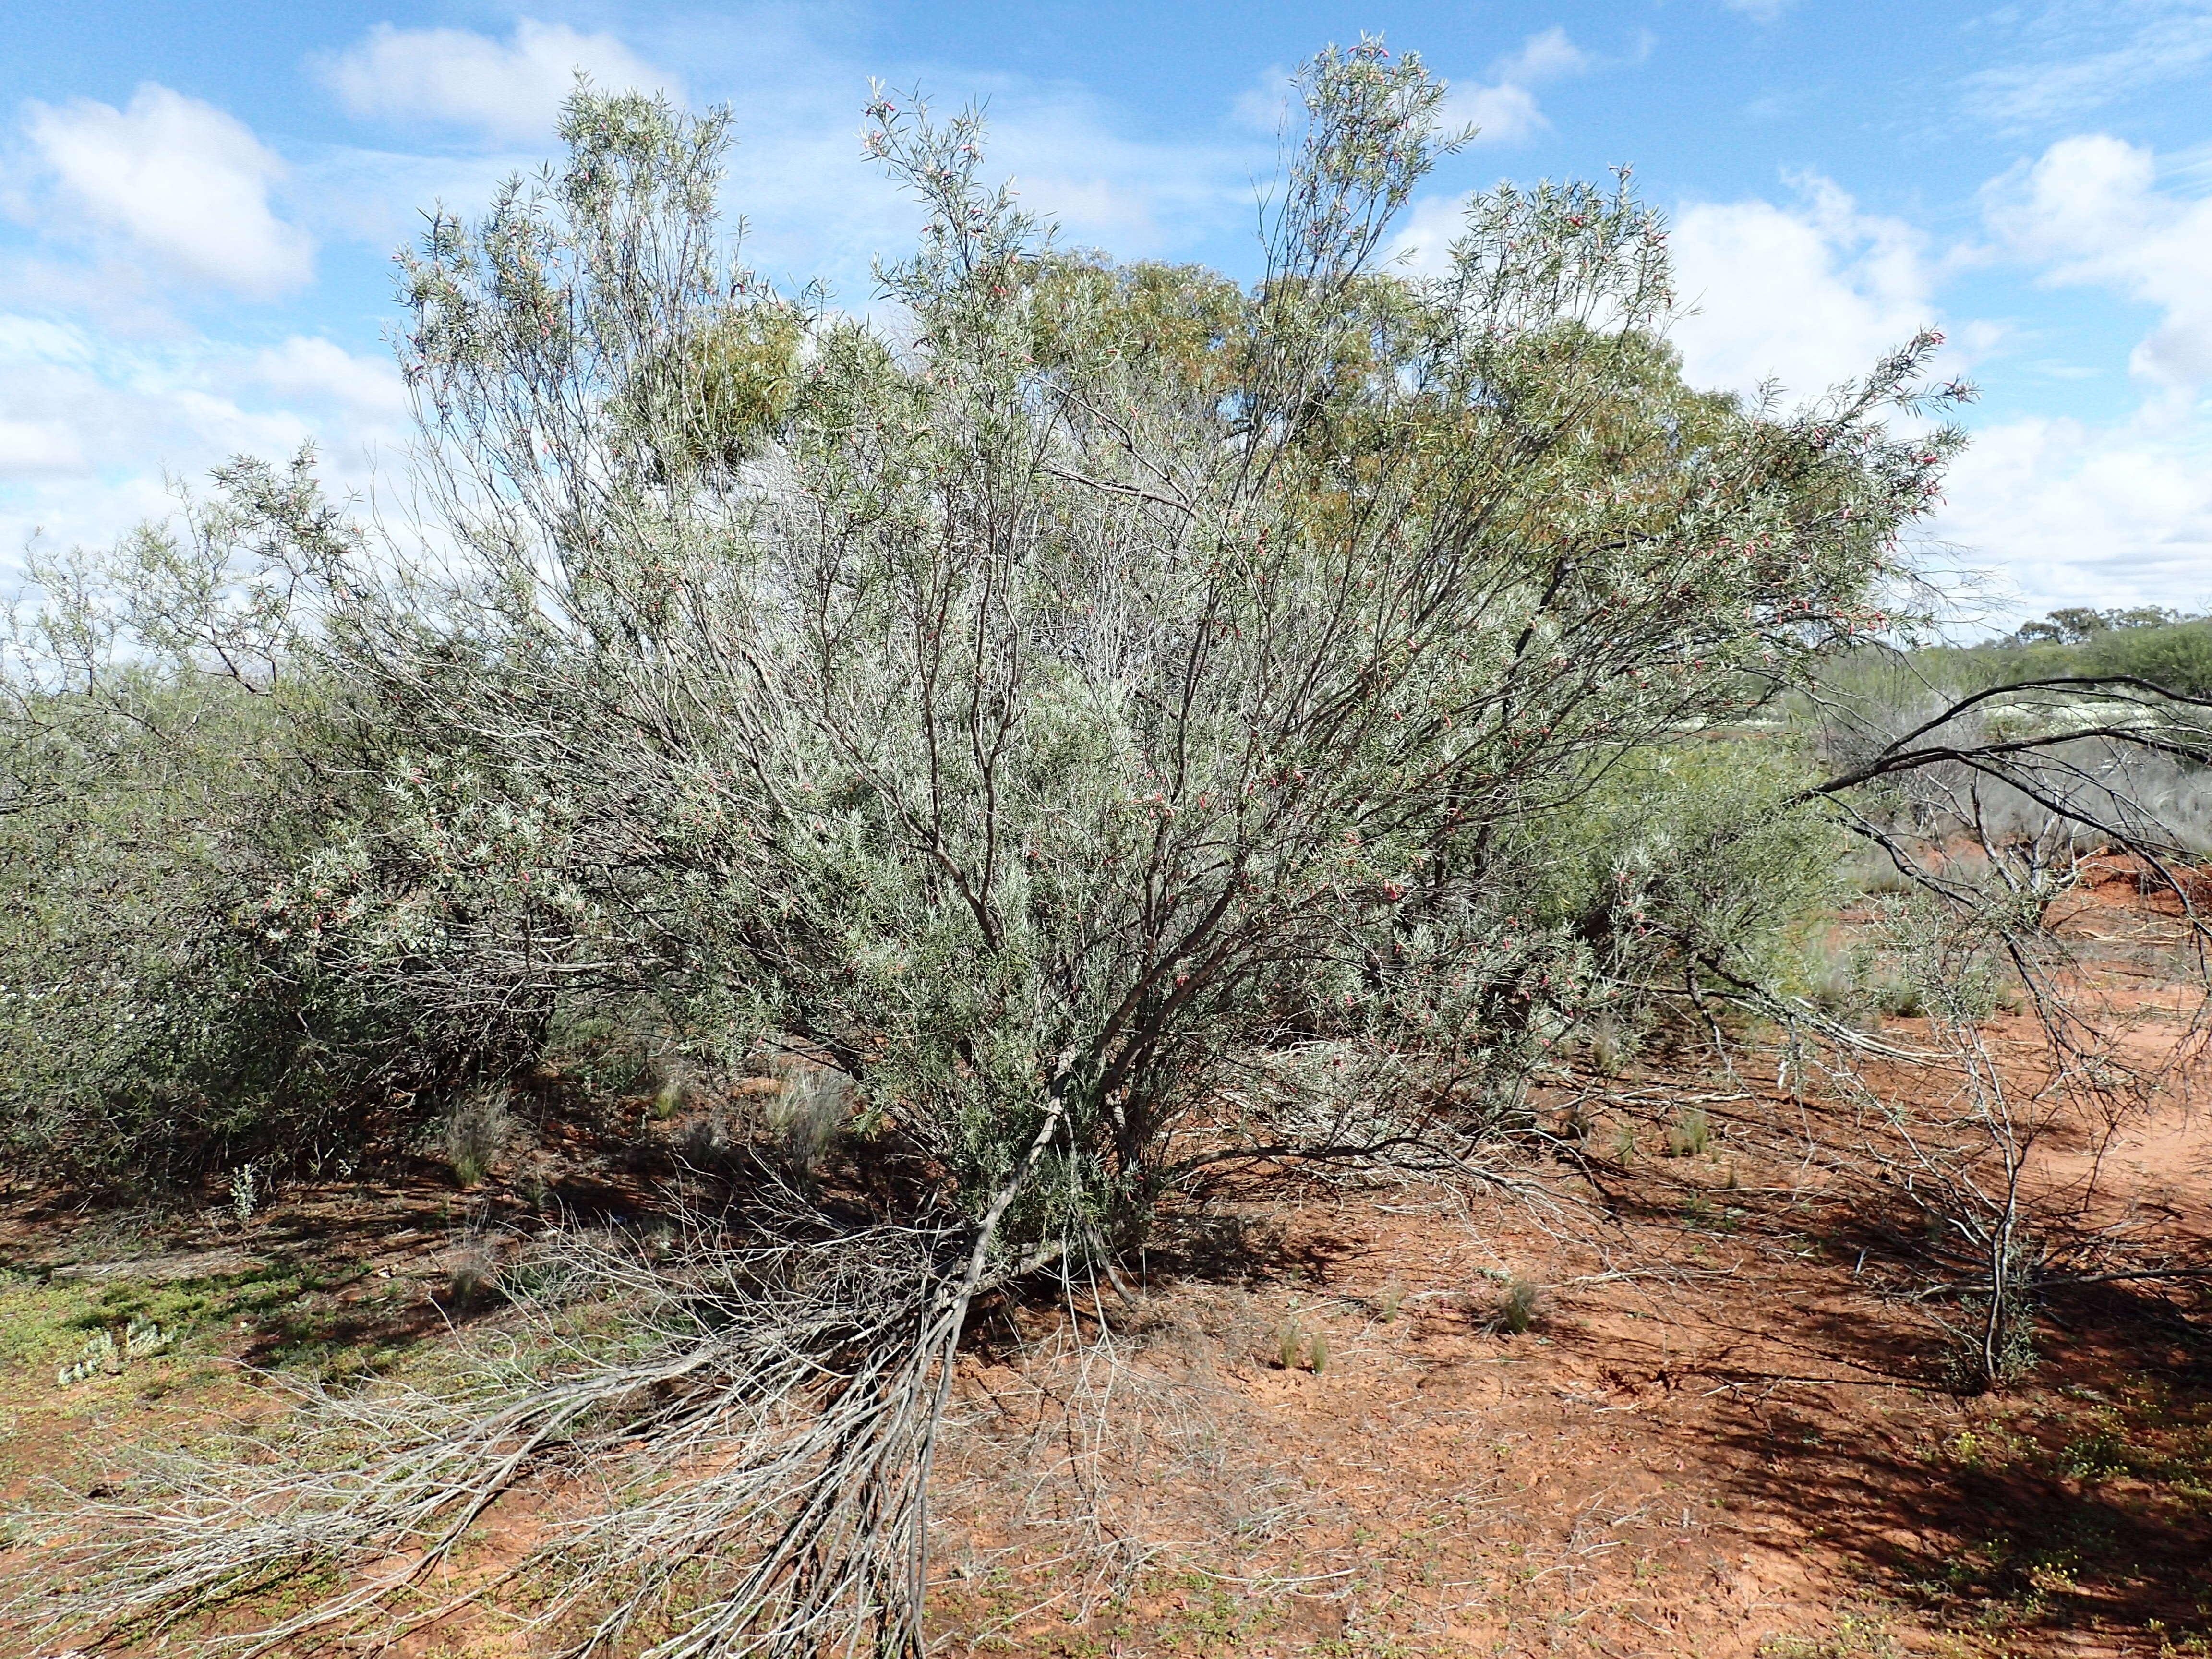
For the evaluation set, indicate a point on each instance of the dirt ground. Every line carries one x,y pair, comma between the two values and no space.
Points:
1715,1437
1691,1406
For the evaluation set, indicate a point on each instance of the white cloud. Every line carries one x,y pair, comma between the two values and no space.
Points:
1543,56
317,372
2071,514
185,183
95,426
40,339
2084,515
2090,210
1264,105
1131,195
102,408
2077,56
510,90
1760,11
814,205
1426,234
32,448
2061,512
1502,114
1506,110
1809,295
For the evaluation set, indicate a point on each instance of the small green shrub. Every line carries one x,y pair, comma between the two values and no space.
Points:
1701,1213
602,1051
1826,980
2100,1448
1609,1044
477,1129
471,1277
808,1112
1698,859
1295,1349
1853,1637
247,1191
2177,657
1978,1361
1522,1306
1900,999
1690,1133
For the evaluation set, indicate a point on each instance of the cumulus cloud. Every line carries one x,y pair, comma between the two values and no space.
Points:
182,181
1132,194
1501,114
1804,296
316,372
1425,233
508,90
2069,514
1809,295
2089,210
2078,513
1544,57
2060,510
95,425
1505,110
1811,290
98,414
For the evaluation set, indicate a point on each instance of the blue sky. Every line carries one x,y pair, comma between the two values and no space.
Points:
197,206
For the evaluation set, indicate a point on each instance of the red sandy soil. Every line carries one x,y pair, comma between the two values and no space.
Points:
1728,1429
1710,1443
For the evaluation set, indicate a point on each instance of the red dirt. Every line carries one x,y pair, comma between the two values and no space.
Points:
1728,1432
1714,1441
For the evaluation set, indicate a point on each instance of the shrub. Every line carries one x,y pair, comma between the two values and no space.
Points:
169,1004
1693,867
1853,1637
808,1113
1284,649
1295,1349
2177,657
1690,1133
475,1131
471,1276
1522,1306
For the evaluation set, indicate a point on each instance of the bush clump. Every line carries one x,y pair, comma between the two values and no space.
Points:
1113,682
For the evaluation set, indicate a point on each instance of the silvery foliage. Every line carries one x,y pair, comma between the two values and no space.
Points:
1026,716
